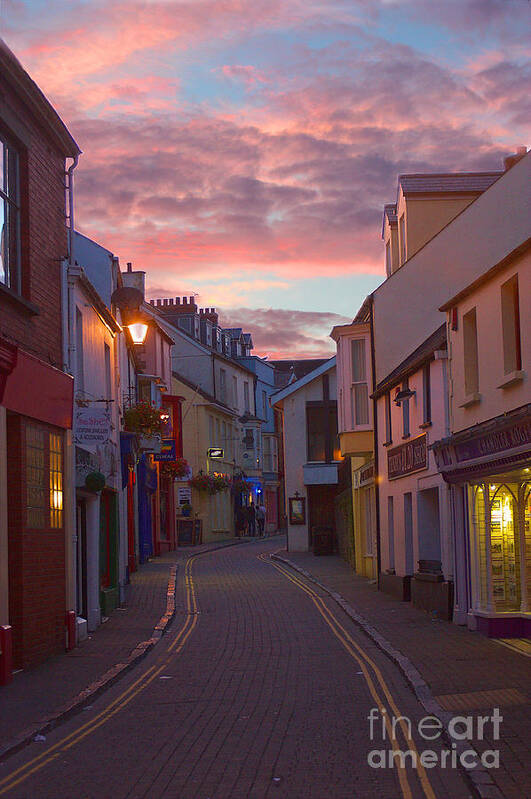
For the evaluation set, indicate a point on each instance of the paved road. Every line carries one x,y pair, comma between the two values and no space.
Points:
261,688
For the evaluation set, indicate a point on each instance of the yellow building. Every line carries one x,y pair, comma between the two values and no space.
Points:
208,424
355,426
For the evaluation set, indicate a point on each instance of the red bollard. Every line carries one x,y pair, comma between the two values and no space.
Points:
6,654
70,629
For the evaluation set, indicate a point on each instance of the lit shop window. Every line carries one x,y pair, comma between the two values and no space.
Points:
56,481
36,500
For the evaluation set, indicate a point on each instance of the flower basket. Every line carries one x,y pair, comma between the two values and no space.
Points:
144,419
209,484
175,470
239,485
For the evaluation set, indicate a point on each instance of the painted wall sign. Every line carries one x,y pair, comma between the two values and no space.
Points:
496,441
216,452
407,458
167,450
92,426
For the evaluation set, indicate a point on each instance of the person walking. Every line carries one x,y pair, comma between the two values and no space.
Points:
260,519
251,519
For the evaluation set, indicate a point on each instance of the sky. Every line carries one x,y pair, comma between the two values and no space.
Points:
243,150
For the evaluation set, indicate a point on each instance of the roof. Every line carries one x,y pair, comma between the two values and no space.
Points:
419,356
294,369
459,182
280,395
12,71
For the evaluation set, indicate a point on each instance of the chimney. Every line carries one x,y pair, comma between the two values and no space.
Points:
510,160
136,280
210,313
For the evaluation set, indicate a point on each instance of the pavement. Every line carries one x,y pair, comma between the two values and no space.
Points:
259,702
452,670
38,698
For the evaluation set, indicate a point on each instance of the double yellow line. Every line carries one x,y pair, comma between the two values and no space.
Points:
364,661
118,704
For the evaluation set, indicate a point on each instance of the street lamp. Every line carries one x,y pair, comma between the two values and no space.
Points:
138,331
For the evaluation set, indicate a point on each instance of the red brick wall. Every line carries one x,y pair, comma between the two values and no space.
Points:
44,233
37,603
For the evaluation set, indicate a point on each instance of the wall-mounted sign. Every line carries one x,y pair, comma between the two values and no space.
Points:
494,442
216,452
184,495
167,450
91,426
407,458
297,510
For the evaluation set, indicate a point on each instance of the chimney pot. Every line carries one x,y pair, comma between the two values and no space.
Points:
159,303
177,300
129,266
152,302
192,301
170,301
185,300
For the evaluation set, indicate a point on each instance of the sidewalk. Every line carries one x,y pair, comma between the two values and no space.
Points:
59,685
456,665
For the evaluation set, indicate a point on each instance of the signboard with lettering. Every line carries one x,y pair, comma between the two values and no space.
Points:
92,426
496,441
167,450
216,452
407,458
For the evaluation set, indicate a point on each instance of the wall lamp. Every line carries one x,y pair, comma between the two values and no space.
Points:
129,299
403,394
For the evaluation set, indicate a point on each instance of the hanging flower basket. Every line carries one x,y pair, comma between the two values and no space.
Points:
239,485
209,484
144,419
175,470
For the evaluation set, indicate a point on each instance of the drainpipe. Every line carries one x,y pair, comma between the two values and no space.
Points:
375,435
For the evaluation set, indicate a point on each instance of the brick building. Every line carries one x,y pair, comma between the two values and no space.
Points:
35,392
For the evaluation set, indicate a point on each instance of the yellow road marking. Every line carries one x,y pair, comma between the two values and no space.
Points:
350,645
73,738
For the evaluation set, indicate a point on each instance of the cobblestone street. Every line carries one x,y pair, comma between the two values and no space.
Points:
261,687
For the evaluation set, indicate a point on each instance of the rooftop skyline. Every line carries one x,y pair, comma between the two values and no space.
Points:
244,151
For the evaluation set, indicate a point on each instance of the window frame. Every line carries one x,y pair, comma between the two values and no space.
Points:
13,203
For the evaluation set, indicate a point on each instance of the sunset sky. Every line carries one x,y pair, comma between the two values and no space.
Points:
243,149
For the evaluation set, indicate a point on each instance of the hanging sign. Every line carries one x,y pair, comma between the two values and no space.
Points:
91,426
216,452
167,450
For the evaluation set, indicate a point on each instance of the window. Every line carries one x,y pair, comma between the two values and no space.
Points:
246,396
510,306
322,436
405,411
56,481
44,478
264,405
80,374
426,384
234,391
388,265
391,532
9,217
359,391
223,385
470,347
402,232
388,422
249,438
107,361
211,430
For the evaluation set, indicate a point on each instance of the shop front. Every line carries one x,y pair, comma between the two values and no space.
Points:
489,468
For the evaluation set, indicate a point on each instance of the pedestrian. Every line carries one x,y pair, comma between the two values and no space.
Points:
260,519
251,519
241,521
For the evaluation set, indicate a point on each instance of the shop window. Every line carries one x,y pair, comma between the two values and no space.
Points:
510,306
505,560
56,481
470,348
36,467
9,216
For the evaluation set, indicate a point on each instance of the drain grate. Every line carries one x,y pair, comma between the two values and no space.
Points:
482,699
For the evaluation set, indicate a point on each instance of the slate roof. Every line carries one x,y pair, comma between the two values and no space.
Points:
447,182
285,370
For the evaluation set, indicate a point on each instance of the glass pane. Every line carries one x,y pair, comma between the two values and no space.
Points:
317,422
4,272
505,550
358,360
35,478
361,403
2,166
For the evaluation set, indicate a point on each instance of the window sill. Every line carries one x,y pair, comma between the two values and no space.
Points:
471,399
425,425
512,379
19,301
387,443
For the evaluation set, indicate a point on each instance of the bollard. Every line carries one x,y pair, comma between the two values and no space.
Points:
6,654
70,629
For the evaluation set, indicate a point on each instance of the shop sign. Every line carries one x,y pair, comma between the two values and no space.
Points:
364,475
167,450
91,427
215,452
86,462
407,458
496,441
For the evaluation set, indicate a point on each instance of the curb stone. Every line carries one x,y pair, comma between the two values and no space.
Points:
479,778
113,674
